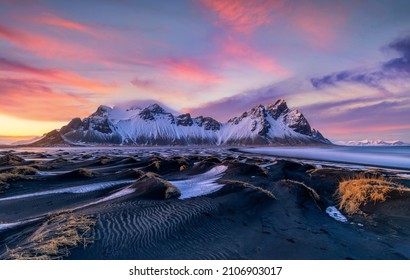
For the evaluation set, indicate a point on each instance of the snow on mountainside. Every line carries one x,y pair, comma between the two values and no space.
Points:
153,125
372,143
273,124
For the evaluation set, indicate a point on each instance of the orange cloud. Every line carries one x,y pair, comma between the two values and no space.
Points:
244,15
32,99
54,76
191,70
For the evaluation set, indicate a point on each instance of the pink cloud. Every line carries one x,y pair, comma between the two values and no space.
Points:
34,100
319,25
192,71
60,22
46,46
54,76
165,92
239,51
242,15
53,20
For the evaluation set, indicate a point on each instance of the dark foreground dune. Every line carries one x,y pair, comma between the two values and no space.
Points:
157,204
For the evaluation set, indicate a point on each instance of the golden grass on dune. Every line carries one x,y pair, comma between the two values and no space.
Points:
249,186
24,170
17,173
7,177
105,160
356,192
54,238
313,194
311,191
86,173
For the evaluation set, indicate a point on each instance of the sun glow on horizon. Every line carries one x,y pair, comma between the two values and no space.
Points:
11,126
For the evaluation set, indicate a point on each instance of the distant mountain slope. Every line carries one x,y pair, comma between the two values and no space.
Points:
27,141
153,125
372,143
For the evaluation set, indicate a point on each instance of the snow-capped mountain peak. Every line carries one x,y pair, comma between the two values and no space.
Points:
155,108
153,125
278,108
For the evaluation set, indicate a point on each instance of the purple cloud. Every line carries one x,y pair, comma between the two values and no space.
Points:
373,78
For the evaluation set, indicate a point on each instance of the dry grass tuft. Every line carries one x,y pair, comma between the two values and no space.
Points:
24,170
4,186
9,176
86,173
356,192
249,186
311,191
17,173
157,164
55,237
104,160
150,175
11,159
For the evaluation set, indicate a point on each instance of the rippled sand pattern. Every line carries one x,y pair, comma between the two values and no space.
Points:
151,230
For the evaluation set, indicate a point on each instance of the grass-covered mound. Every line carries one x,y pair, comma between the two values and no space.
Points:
54,238
355,193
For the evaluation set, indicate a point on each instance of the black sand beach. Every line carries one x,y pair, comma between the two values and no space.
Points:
189,203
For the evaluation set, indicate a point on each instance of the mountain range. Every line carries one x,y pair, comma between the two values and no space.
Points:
153,125
367,142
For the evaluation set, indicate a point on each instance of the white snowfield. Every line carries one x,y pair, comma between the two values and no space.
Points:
77,189
335,214
201,184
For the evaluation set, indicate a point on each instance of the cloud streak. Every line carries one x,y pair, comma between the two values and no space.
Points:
236,51
402,63
46,46
241,15
53,20
191,70
58,76
391,70
32,99
319,25
242,102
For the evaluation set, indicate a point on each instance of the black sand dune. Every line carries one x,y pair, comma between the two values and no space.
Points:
262,208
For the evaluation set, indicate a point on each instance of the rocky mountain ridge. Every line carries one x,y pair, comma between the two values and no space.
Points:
153,125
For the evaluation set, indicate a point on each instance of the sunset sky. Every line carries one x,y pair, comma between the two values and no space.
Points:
344,64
